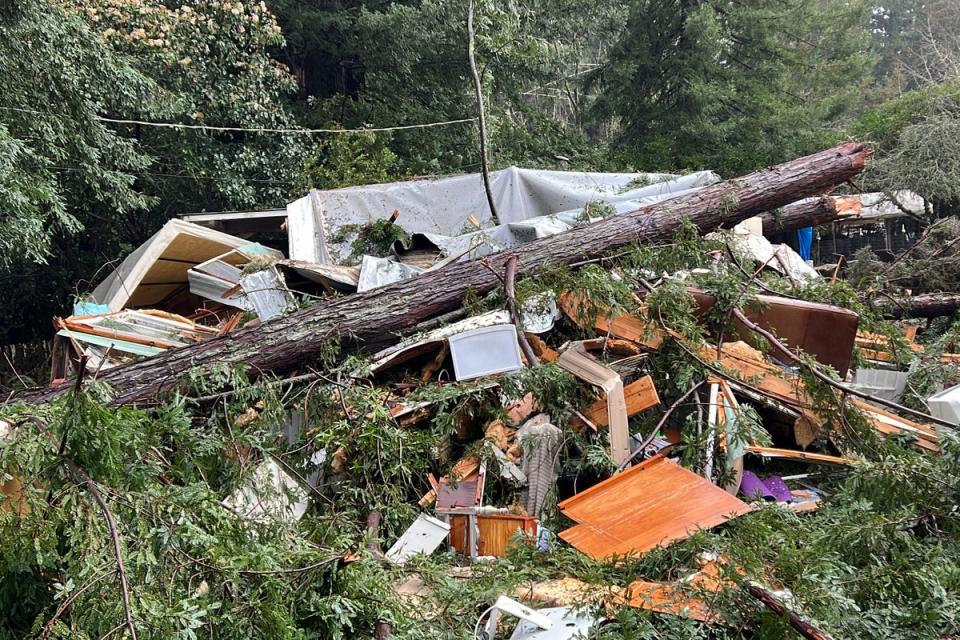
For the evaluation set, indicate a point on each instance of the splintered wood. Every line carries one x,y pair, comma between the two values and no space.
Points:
683,599
623,326
773,382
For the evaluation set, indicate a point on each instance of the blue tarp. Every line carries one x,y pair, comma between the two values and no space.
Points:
805,242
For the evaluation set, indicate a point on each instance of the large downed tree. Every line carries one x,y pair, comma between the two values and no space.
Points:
927,305
373,319
806,213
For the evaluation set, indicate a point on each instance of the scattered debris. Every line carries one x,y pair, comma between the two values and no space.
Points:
485,351
535,389
156,274
568,623
575,360
682,598
424,536
541,443
509,606
946,404
270,495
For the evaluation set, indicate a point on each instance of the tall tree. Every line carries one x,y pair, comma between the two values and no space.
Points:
733,85
62,170
212,59
80,189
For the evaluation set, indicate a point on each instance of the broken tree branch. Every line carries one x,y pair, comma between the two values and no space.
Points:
663,420
371,320
810,212
481,112
804,628
927,305
509,278
80,477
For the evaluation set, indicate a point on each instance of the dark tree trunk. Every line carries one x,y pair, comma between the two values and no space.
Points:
807,213
927,305
371,320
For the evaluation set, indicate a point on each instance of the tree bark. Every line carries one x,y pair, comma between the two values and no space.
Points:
373,529
927,305
481,113
810,212
371,320
770,601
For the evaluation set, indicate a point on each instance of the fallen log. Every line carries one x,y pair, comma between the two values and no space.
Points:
372,319
927,305
809,212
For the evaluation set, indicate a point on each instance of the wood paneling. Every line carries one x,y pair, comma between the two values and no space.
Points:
652,504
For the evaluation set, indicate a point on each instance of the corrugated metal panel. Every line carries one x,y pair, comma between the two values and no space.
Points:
118,345
653,504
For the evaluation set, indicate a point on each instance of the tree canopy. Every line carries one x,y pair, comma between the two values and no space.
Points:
119,115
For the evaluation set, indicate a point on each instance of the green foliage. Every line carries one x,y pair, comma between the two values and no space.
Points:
555,388
211,57
882,124
56,158
932,264
347,160
374,239
596,211
914,136
62,169
733,87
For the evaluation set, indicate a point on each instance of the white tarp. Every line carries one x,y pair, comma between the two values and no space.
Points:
879,206
441,208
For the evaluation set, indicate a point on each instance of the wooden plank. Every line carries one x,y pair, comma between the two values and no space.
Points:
497,530
540,348
680,598
773,452
639,395
790,390
622,326
576,361
650,505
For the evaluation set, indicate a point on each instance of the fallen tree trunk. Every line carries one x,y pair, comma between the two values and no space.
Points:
927,305
806,213
372,319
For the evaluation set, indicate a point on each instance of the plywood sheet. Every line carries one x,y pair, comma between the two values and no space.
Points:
789,389
624,326
824,331
640,395
653,504
681,599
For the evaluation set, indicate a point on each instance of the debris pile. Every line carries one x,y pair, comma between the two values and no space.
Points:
612,401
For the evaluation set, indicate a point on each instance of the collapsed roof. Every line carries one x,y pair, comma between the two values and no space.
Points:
155,274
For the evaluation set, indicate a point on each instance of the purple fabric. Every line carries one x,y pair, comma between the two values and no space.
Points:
753,487
773,488
778,488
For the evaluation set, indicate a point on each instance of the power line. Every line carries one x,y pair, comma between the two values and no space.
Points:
173,125
145,174
206,127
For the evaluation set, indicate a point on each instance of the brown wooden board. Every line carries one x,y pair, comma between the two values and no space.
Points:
650,505
640,395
